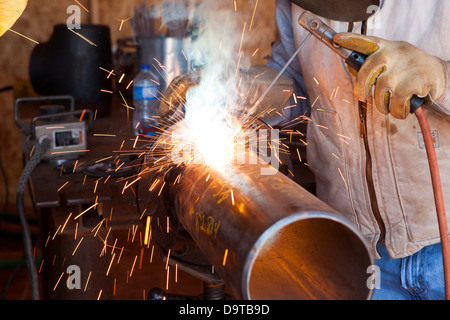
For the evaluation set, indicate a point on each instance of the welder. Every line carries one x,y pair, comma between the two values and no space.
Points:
388,193
366,151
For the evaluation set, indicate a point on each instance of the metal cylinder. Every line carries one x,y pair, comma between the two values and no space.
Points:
268,238
168,56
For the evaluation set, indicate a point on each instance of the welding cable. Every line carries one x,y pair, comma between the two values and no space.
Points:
438,196
35,159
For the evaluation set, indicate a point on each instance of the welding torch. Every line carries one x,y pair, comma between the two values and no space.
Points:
355,60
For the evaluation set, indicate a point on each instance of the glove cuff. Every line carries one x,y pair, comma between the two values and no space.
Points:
443,102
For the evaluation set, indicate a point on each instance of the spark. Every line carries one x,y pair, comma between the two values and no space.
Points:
97,227
232,197
103,159
314,102
71,151
128,185
110,263
83,212
341,135
167,259
83,37
82,6
114,246
56,232
184,55
118,168
120,255
253,16
225,257
342,176
140,258
132,267
82,115
63,186
62,229
77,246
96,184
159,193
24,36
106,70
104,135
87,281
299,157
125,101
147,230
122,22
167,278
151,255
57,282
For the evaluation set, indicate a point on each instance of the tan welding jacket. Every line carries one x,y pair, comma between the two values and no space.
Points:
378,166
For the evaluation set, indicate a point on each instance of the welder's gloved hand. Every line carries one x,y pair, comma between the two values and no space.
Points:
175,94
398,70
253,82
10,11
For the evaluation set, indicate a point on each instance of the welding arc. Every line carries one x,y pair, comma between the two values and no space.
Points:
438,196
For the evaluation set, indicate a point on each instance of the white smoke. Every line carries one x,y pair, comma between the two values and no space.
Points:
212,128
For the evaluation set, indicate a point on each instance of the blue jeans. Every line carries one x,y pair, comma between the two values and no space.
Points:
419,276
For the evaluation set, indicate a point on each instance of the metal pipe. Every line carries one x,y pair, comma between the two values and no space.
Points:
268,238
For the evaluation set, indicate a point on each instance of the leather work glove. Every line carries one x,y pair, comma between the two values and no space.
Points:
253,83
175,94
398,70
10,11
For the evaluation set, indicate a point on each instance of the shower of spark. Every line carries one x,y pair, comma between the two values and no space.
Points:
214,122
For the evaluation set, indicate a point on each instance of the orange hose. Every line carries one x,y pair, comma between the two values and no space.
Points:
438,196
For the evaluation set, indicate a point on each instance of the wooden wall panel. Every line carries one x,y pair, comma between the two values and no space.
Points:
37,23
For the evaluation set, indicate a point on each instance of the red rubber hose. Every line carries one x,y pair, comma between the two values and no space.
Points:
438,196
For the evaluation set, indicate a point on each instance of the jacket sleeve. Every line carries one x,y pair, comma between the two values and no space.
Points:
282,51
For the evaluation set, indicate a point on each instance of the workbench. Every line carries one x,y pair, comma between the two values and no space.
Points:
93,222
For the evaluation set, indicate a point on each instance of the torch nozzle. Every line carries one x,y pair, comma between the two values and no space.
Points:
325,34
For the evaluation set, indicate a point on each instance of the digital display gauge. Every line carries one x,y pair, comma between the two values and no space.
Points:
68,139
